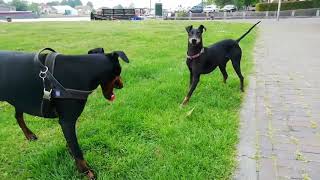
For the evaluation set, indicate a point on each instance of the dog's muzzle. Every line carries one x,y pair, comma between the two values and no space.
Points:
194,41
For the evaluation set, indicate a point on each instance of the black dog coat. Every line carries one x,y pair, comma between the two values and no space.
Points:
22,87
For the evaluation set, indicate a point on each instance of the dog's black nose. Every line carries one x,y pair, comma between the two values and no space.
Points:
193,41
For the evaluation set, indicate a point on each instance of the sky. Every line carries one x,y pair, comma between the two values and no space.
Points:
167,4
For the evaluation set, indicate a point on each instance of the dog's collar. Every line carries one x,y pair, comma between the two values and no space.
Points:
196,55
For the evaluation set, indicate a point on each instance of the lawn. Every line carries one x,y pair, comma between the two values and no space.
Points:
144,134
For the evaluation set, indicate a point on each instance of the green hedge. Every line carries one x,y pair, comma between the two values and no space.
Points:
287,5
316,3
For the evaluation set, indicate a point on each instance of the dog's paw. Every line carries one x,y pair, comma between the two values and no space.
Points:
90,175
181,106
185,101
31,137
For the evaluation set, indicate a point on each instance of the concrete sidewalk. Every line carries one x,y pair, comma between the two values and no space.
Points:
280,119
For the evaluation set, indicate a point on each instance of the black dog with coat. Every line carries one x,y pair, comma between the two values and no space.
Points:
203,60
21,86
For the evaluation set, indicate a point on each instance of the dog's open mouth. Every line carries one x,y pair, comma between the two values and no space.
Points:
107,88
109,96
112,97
108,93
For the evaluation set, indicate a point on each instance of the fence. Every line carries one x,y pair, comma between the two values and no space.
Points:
17,15
298,13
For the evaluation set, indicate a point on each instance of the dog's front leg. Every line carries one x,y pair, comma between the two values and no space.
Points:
191,74
195,80
191,78
69,131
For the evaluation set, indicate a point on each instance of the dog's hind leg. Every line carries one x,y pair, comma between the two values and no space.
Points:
224,72
236,66
27,132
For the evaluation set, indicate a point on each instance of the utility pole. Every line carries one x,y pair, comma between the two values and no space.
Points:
279,6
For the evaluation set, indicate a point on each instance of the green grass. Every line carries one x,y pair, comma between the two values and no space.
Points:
144,134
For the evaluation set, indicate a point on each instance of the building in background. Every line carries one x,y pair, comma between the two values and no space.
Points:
83,10
9,12
4,7
46,9
65,10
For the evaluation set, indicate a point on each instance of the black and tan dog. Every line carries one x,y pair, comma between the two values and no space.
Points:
203,60
21,86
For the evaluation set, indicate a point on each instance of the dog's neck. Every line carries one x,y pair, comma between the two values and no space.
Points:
194,49
88,68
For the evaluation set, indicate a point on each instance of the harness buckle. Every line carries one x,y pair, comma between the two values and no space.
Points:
47,94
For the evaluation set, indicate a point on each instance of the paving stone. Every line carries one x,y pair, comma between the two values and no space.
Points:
288,173
313,157
295,165
285,154
294,117
266,169
299,123
313,169
285,146
283,138
265,142
310,141
303,134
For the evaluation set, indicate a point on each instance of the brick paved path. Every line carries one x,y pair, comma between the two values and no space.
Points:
280,120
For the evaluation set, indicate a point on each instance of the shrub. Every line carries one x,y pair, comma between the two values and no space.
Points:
316,3
182,14
287,5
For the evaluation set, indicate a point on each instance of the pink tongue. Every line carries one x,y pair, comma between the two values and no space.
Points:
113,97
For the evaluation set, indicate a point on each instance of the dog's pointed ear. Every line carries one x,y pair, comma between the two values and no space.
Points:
96,51
188,28
120,54
201,27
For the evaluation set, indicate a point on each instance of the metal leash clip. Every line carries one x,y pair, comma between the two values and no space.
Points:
43,74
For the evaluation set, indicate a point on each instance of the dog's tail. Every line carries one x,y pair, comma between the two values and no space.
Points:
238,40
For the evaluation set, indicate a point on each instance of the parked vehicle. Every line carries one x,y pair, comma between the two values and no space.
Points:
251,8
9,19
196,9
229,8
210,8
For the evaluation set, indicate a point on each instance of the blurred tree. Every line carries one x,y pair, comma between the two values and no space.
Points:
238,3
89,3
131,6
34,7
77,3
53,3
20,5
119,6
221,3
316,3
72,3
64,2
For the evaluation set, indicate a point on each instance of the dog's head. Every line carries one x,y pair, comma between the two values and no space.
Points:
195,35
108,81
